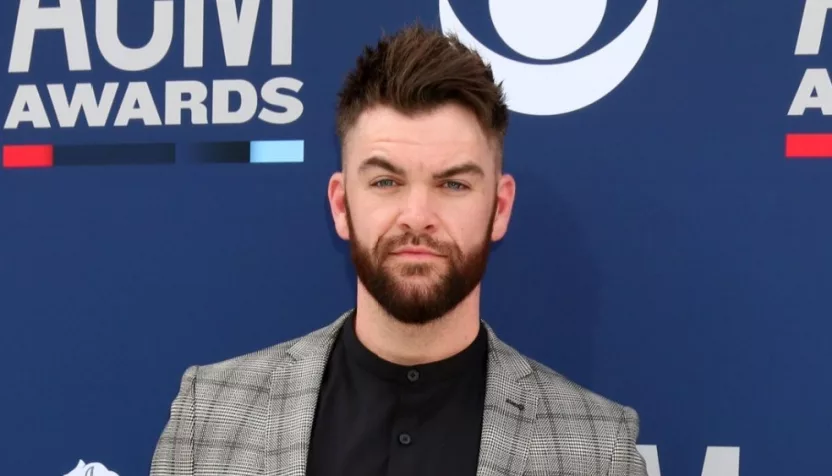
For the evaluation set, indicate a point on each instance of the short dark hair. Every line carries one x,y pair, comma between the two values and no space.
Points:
417,70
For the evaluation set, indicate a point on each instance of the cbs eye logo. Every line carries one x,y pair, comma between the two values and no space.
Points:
552,29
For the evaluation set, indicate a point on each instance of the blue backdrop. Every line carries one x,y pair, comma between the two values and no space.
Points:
664,251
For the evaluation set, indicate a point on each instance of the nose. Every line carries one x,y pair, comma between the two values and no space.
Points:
417,214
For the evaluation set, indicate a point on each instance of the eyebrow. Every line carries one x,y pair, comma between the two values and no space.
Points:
466,168
385,164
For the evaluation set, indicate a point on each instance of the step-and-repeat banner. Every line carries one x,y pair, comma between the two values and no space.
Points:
163,204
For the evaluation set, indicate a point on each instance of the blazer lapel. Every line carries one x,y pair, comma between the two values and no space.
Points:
510,412
508,418
295,385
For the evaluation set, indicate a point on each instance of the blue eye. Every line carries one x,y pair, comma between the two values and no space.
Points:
455,185
384,183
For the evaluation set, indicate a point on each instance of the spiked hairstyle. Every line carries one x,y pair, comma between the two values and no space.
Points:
416,70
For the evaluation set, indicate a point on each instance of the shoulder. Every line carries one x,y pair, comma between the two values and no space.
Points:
585,429
247,377
559,396
575,399
262,362
220,391
574,426
228,400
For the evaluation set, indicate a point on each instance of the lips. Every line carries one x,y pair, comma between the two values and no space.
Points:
416,252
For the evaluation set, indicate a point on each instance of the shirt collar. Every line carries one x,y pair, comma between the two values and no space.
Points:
471,359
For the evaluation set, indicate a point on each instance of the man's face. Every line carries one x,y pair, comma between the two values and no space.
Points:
420,199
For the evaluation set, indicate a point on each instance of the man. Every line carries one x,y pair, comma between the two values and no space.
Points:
411,381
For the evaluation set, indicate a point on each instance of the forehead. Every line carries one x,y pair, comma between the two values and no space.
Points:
447,133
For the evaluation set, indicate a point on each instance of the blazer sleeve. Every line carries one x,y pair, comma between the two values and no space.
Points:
174,454
626,459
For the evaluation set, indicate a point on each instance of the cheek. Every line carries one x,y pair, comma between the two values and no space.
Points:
371,221
467,226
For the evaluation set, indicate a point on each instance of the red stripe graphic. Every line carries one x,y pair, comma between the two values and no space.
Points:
23,156
809,146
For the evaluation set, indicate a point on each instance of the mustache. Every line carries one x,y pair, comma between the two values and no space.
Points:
385,247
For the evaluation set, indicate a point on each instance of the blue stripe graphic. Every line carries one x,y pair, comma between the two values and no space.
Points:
276,151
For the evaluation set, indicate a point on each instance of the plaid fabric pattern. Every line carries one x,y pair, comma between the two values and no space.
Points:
253,415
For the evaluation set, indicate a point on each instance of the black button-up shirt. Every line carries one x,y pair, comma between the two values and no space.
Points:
378,418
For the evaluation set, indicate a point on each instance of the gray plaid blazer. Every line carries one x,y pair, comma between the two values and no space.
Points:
253,415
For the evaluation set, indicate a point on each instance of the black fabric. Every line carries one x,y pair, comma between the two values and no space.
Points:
377,418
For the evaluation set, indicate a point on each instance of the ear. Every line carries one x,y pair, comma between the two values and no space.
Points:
506,189
337,195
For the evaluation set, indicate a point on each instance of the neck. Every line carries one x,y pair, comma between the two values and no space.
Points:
411,344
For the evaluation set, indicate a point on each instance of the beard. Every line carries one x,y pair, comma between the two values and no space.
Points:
437,291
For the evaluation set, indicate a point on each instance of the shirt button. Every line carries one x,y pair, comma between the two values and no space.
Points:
413,375
404,439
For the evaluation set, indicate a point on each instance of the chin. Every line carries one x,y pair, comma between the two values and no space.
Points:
418,285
